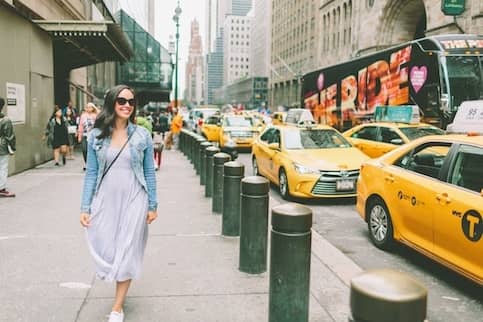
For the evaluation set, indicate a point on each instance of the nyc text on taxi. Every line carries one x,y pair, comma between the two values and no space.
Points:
428,195
307,161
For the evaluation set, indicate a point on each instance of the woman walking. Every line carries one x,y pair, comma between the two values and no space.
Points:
72,131
119,195
86,123
57,136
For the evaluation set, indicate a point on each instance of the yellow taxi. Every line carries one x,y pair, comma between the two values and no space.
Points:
307,161
376,139
237,131
278,118
210,129
428,194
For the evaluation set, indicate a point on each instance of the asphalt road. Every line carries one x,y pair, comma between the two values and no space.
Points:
451,297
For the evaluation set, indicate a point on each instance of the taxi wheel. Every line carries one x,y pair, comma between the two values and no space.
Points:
255,170
283,185
380,224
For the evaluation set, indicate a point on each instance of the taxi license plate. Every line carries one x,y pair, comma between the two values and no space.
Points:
344,185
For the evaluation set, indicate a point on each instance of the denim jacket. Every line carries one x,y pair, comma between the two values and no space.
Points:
142,162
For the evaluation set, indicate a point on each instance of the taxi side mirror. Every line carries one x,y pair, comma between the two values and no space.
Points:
396,141
274,146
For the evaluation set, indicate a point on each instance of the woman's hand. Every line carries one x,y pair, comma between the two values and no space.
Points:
85,219
152,215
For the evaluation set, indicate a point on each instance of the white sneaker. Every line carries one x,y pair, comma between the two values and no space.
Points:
116,317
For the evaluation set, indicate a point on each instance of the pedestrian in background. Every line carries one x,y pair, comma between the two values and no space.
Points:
176,126
57,136
163,123
143,121
86,123
119,194
72,132
7,148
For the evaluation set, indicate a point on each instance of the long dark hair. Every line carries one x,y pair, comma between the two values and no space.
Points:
105,119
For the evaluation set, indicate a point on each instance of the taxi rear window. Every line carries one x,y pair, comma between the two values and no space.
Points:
413,133
467,171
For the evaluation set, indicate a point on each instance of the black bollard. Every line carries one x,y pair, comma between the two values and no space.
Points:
196,153
219,160
290,248
203,147
232,176
254,225
182,141
191,139
210,152
386,295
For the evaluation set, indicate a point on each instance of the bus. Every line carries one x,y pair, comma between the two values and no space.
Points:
436,73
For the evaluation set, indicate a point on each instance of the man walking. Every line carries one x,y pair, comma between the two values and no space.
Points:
7,147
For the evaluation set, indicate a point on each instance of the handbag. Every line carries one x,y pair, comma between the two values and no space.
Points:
72,129
115,158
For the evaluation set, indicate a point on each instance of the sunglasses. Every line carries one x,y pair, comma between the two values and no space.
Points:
123,101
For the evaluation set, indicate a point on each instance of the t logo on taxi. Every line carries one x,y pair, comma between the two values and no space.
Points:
472,225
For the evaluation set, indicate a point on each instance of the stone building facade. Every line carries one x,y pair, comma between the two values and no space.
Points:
345,29
293,47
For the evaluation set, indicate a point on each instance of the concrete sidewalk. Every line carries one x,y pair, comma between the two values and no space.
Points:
190,271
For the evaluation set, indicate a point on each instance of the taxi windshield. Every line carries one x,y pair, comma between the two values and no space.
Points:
413,133
314,139
238,121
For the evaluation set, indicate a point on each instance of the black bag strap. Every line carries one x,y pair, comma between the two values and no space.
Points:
115,158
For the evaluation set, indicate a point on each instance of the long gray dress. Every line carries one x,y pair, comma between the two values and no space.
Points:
118,231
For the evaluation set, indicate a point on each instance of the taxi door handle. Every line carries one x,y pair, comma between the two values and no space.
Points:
443,197
389,179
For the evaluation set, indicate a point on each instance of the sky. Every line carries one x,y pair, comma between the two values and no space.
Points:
165,26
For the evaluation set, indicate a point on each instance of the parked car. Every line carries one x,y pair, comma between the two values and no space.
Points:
197,116
376,139
307,161
428,195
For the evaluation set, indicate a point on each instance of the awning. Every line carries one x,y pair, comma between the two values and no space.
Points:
82,43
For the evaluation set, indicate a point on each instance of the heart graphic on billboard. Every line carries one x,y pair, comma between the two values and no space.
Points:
320,81
418,77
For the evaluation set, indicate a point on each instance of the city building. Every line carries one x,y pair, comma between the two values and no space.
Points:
142,11
251,92
210,25
150,69
240,7
194,67
355,28
149,72
293,48
307,35
260,39
46,46
236,48
215,58
214,70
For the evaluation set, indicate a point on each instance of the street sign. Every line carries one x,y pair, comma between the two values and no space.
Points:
453,7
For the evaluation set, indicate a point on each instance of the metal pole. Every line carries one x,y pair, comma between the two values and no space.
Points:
386,295
254,225
203,147
176,70
232,175
219,161
210,152
290,250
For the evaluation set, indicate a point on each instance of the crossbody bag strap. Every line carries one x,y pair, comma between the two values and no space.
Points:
115,158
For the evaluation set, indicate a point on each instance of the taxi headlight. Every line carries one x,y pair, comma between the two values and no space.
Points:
301,169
